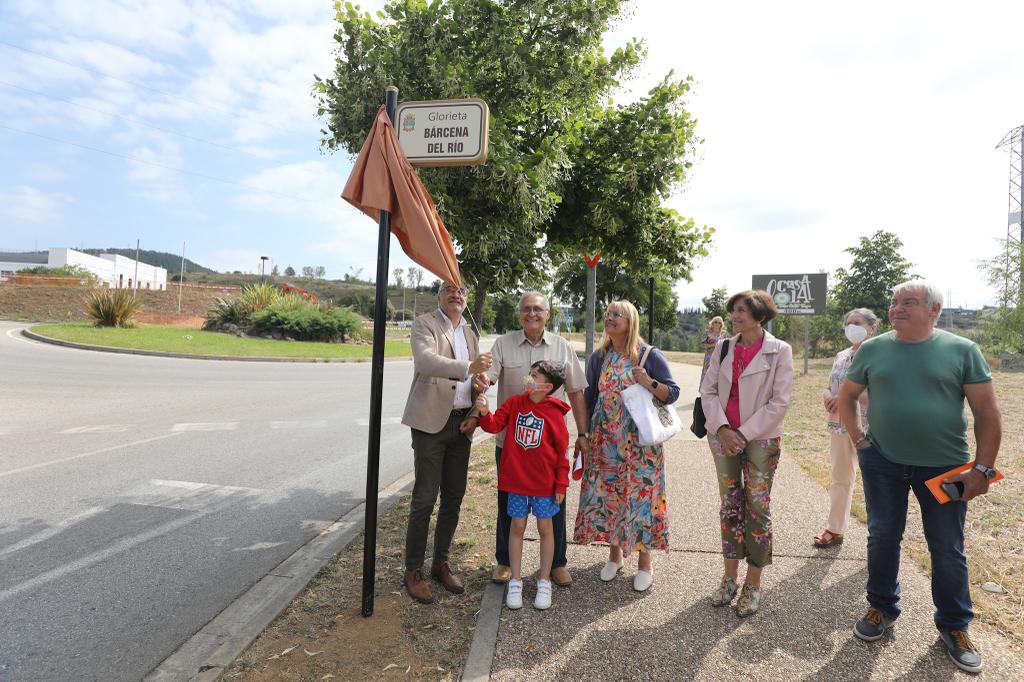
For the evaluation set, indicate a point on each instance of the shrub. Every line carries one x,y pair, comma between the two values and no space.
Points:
300,319
239,311
78,271
113,307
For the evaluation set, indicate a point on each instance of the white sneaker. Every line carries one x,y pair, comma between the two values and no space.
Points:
610,570
643,580
514,596
543,600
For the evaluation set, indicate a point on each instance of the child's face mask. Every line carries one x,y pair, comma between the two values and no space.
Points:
531,384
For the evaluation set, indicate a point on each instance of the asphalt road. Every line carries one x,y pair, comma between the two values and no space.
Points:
139,496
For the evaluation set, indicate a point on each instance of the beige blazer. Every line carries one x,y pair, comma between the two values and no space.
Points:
435,372
765,388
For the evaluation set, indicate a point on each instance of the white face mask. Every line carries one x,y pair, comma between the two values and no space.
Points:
855,333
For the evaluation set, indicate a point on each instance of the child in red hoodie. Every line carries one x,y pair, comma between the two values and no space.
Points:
534,469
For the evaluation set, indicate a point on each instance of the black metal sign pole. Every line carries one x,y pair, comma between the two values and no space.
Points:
380,307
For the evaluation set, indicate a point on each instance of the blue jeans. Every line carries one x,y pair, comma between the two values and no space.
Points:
886,487
501,529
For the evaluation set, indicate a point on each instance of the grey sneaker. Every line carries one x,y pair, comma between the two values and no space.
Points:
749,601
961,650
872,626
725,593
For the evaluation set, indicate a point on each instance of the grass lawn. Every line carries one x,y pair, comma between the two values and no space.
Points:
995,521
197,342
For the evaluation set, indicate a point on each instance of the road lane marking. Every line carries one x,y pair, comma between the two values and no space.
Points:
301,424
385,421
85,454
190,495
205,426
98,428
55,529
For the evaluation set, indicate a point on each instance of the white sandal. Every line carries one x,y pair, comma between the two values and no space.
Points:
610,570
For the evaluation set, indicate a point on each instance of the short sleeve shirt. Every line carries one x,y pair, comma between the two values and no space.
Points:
916,406
513,354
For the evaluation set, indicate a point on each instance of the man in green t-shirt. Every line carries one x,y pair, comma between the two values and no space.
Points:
917,378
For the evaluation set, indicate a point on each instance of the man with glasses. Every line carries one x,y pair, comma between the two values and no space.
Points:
446,356
513,354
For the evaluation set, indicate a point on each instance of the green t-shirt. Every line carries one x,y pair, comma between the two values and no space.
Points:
916,395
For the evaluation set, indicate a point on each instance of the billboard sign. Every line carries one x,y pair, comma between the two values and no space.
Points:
795,294
443,132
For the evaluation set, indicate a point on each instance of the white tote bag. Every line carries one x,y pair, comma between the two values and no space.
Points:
655,421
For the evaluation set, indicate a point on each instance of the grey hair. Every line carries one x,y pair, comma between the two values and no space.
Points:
933,291
534,294
868,315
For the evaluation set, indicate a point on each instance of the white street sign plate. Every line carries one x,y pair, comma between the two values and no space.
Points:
443,132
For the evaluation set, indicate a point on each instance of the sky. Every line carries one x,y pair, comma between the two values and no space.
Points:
178,122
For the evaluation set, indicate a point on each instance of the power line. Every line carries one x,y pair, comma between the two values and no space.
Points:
139,122
158,165
227,110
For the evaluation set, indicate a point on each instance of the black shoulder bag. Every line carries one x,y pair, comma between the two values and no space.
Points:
699,420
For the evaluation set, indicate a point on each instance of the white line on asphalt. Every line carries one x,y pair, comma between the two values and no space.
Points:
84,454
384,421
308,424
98,428
205,426
195,496
51,531
257,546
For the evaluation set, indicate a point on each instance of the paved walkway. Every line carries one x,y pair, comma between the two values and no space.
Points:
606,631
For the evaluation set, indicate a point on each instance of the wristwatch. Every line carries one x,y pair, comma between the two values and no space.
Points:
989,472
654,384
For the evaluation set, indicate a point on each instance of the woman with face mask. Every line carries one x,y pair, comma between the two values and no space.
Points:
859,324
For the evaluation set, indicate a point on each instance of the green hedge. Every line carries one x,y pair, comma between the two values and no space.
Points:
306,321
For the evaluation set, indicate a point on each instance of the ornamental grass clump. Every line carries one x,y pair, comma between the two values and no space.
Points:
239,311
113,308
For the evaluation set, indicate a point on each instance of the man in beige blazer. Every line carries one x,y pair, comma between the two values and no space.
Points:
445,355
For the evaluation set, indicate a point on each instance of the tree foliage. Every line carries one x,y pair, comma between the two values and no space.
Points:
877,267
714,304
566,171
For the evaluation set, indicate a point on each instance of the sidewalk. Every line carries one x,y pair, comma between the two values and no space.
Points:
607,631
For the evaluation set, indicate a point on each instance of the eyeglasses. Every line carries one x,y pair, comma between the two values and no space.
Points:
614,315
461,291
527,309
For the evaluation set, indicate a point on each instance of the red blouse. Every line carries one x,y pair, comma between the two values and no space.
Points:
742,355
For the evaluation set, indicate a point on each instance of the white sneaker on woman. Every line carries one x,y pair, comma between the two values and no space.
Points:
514,596
543,600
643,580
610,570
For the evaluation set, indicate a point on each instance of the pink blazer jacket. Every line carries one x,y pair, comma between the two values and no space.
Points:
765,388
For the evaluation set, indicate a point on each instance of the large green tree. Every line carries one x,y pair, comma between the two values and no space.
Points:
877,267
542,70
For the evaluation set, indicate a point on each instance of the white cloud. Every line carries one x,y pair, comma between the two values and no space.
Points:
27,206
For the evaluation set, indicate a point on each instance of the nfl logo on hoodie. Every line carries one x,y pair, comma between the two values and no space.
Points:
529,428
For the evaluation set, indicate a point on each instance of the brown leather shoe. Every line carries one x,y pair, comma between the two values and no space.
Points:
560,576
501,574
417,587
443,574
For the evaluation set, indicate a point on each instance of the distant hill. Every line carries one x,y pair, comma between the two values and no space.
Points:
161,259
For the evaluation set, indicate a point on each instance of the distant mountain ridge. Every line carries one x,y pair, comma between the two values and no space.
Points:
161,259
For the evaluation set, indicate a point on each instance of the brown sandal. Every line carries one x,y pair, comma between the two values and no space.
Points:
827,539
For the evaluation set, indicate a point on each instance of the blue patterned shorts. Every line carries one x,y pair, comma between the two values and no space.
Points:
543,507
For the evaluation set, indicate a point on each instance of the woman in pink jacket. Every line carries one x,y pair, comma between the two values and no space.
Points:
745,396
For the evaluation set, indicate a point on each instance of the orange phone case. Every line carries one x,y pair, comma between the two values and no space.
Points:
935,484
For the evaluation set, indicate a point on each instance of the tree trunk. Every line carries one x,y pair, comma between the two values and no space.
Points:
477,313
591,305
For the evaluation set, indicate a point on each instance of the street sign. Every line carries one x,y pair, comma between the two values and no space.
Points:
795,294
444,132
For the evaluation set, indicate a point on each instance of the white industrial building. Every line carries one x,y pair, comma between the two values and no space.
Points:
116,271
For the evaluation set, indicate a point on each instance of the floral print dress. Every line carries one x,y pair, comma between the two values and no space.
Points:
622,494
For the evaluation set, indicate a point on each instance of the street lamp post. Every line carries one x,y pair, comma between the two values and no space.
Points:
263,267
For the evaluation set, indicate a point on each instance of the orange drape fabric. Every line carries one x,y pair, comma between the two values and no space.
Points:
383,180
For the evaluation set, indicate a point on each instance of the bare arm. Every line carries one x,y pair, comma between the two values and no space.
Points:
988,433
849,394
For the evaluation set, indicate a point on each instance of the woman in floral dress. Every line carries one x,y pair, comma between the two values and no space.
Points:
622,495
710,341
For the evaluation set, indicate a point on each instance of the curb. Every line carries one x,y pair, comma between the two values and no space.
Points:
169,354
485,637
209,652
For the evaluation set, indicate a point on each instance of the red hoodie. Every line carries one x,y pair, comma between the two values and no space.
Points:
533,460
